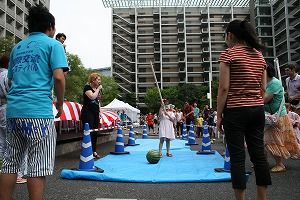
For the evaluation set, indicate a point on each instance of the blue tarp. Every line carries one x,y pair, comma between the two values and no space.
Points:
184,166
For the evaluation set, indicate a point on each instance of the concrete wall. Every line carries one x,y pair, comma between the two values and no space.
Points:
76,145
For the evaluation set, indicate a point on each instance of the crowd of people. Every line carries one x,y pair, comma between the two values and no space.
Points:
191,113
248,87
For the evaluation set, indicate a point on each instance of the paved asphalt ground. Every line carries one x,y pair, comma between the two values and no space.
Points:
286,185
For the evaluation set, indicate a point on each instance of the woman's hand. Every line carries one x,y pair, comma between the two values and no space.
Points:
219,124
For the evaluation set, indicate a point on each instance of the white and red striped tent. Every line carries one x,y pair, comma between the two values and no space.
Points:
108,118
72,111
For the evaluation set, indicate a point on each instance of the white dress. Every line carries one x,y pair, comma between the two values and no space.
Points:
166,128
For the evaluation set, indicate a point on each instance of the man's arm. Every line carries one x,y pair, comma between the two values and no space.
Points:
9,82
59,88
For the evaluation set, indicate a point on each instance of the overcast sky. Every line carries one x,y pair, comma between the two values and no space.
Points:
87,25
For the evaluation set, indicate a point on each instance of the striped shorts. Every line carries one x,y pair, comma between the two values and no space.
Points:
38,137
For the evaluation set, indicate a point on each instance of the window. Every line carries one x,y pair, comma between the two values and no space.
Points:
166,79
142,59
142,70
142,80
142,90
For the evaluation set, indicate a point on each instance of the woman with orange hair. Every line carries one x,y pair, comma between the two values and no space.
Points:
90,109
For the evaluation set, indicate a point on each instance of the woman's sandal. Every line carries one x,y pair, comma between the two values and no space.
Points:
96,155
278,169
169,155
160,155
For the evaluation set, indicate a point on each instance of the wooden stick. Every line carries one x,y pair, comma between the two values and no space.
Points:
157,84
277,68
156,81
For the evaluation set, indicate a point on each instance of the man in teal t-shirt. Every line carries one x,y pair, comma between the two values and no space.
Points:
36,64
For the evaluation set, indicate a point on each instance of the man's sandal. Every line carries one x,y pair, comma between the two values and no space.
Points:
169,155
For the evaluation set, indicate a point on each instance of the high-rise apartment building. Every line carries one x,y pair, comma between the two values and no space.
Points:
183,39
278,27
13,14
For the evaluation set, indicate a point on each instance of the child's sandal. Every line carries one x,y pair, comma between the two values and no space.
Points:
169,155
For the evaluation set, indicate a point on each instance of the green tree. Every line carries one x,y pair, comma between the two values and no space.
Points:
203,100
152,100
203,90
179,94
188,92
6,44
172,94
214,91
76,78
110,90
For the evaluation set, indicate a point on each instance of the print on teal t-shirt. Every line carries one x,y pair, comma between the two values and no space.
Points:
32,62
275,87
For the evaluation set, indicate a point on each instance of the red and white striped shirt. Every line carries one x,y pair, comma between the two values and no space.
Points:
247,66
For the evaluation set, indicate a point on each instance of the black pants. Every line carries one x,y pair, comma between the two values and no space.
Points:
246,123
179,127
93,120
188,123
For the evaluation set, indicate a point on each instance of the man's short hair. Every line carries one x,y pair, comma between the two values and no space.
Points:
59,35
40,19
291,66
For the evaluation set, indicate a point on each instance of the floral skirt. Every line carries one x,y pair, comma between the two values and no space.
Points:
281,140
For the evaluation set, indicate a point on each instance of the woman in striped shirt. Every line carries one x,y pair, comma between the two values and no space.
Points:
240,105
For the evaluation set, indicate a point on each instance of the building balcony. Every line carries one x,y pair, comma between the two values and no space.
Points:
279,20
10,28
115,25
283,28
2,23
281,52
295,56
279,8
10,12
296,23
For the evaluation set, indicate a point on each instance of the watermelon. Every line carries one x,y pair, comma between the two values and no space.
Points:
153,156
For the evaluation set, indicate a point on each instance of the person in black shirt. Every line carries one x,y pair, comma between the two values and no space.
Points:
90,109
